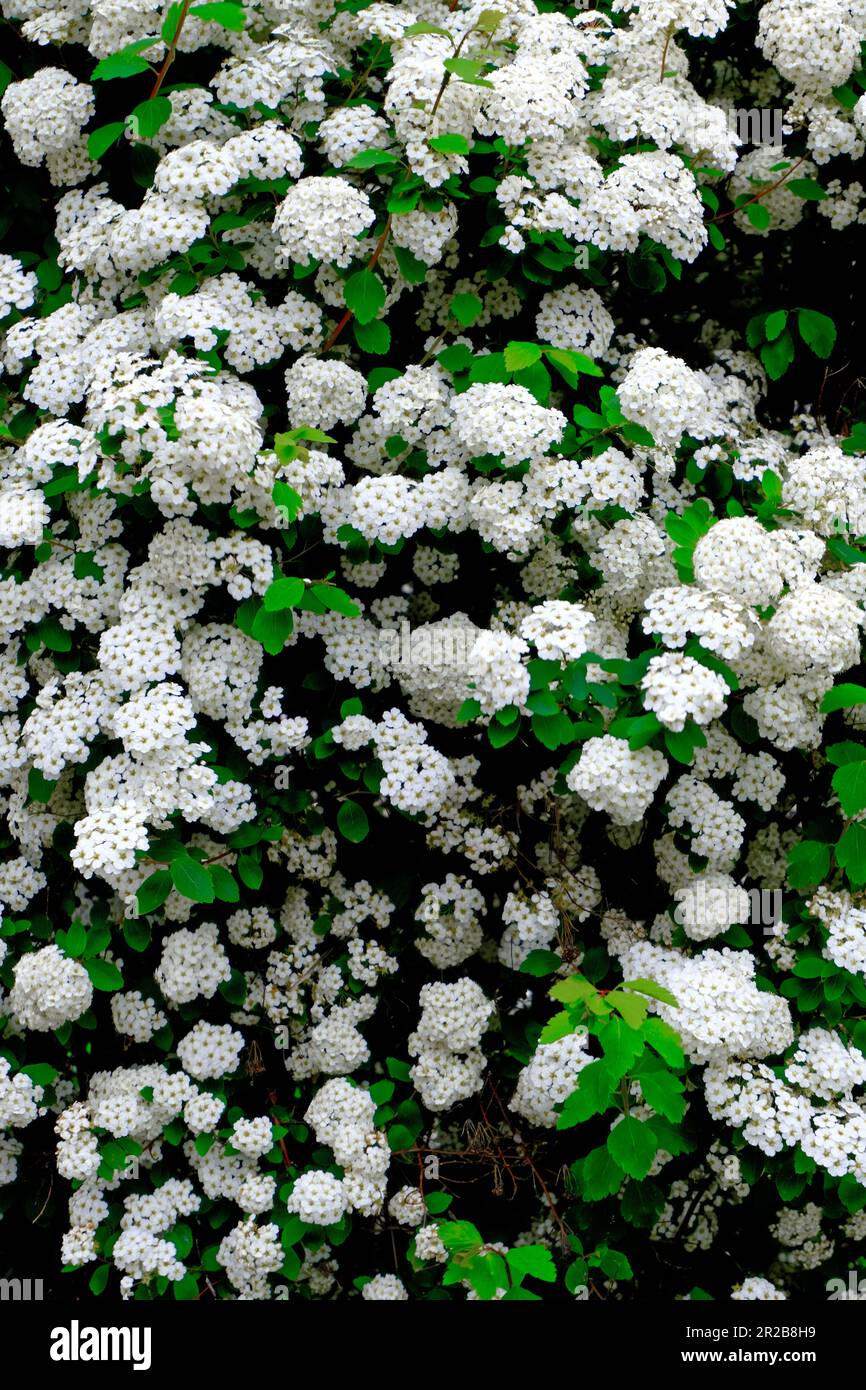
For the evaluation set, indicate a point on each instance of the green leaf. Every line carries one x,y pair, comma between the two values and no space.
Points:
806,188
814,968
449,144
638,731
283,593
594,1095
843,696
622,1046
615,1265
223,12
98,141
352,822
224,886
136,934
818,331
40,1073
272,629
664,1092
371,159
840,753
415,272
541,963
364,294
650,988
85,567
600,1175
336,599
636,434
39,788
520,355
664,1040
468,70
124,63
681,743
284,496
374,337
775,324
459,1237
849,784
250,871
99,1278
466,308
54,636
757,215
572,364
534,1260
154,891
631,1006
192,879
808,863
633,1146
149,117
778,356
76,940
103,975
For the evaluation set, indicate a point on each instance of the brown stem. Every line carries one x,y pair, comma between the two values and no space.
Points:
348,316
172,49
668,36
762,194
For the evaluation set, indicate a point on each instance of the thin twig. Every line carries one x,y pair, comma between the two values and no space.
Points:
172,49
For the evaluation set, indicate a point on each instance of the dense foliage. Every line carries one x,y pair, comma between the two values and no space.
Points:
434,536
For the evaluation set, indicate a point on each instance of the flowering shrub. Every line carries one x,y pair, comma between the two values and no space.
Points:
434,526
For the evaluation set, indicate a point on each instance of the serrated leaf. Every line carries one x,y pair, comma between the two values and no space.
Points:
534,1260
594,1095
849,784
664,1040
600,1175
818,331
775,324
664,1092
632,1144
650,988
520,355
778,356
